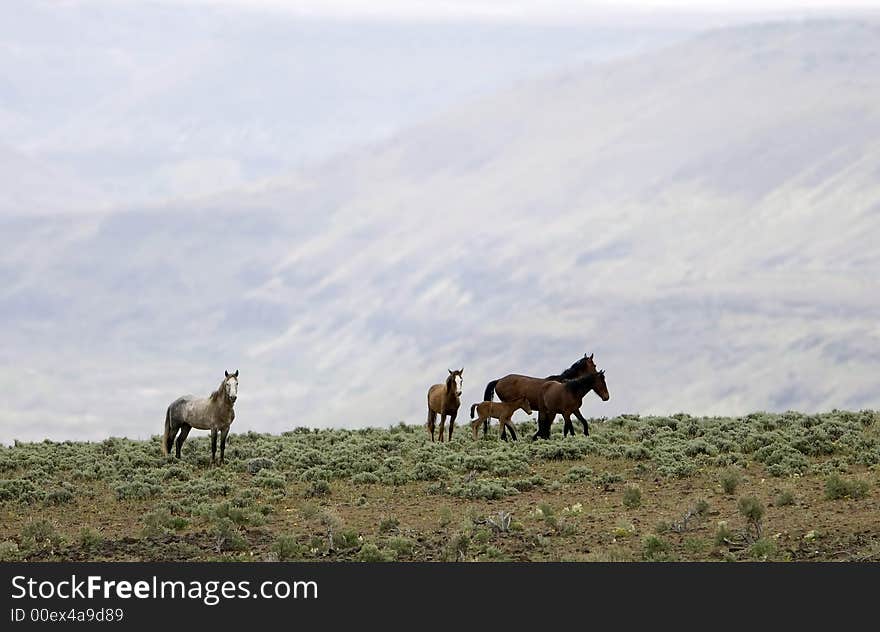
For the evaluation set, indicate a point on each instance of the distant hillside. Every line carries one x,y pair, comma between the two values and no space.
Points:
704,219
150,101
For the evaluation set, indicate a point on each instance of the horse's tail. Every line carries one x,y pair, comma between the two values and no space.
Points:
167,434
473,406
490,391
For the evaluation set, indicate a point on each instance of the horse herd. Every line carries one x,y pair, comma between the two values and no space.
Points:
553,395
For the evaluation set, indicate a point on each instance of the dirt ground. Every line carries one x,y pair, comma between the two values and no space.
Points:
576,521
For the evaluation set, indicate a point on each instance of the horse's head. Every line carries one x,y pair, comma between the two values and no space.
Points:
230,386
525,405
585,365
455,380
600,387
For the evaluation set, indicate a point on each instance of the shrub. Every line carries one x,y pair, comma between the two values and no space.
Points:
428,471
161,522
226,536
784,499
722,534
486,489
677,468
655,549
837,487
365,478
345,539
309,510
40,534
388,525
527,484
265,478
458,547
403,546
22,490
9,551
136,490
90,539
445,516
371,553
253,466
632,497
59,496
753,511
762,549
395,477
318,488
316,474
287,548
699,446
637,452
578,473
175,472
730,480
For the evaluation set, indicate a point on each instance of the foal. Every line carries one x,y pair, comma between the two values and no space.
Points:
502,411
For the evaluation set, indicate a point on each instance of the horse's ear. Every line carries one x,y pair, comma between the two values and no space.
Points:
461,372
450,371
226,373
235,375
591,356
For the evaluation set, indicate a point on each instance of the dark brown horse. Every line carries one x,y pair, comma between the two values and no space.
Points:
514,386
443,400
565,398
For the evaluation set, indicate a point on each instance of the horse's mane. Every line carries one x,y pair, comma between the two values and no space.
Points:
569,373
217,395
574,385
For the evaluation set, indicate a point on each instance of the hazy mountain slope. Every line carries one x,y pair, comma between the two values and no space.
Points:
152,101
704,220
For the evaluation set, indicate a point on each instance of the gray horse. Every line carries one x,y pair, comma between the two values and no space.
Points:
212,413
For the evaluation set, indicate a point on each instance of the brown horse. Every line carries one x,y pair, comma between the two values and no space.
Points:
513,386
443,400
502,411
212,413
565,398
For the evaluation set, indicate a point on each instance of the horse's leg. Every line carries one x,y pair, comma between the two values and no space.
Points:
509,423
442,427
577,413
223,434
432,418
537,434
548,424
213,446
545,421
452,423
184,430
169,440
475,424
